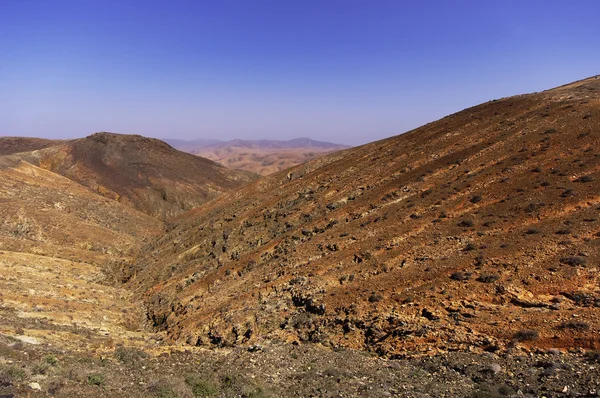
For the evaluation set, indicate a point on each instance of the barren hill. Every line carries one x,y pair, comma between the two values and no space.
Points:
477,231
10,145
143,172
58,241
261,156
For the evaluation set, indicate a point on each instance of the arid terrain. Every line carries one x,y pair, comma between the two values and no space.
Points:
263,157
459,259
464,233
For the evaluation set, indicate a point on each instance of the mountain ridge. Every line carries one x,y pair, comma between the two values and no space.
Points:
147,173
263,156
374,246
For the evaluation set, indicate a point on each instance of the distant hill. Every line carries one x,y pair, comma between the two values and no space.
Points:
190,145
259,156
10,145
479,231
146,173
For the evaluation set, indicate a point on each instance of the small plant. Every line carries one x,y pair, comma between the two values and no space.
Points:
469,247
161,389
488,278
11,374
5,381
476,199
129,355
201,387
566,193
374,297
55,386
526,335
51,360
95,379
460,276
593,356
40,368
575,325
14,372
563,232
573,261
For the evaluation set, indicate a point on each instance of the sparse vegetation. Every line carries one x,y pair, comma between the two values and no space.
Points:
461,276
564,231
575,325
255,274
476,199
200,386
469,247
587,178
129,356
374,297
466,223
95,379
488,278
526,335
574,261
51,359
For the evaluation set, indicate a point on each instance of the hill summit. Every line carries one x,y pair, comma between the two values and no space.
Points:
144,172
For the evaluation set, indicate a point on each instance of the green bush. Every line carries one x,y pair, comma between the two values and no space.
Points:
95,379
162,390
201,387
51,360
129,356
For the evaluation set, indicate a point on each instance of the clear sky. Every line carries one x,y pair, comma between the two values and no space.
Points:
346,71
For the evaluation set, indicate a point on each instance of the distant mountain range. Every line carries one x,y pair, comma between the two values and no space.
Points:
258,156
302,142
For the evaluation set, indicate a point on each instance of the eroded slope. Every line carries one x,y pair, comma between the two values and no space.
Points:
479,230
58,243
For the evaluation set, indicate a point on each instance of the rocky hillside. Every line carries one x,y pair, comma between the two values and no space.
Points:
145,173
478,231
58,243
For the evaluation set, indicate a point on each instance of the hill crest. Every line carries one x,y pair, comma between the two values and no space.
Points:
146,173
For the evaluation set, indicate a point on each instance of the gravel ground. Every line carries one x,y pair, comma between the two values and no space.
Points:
286,370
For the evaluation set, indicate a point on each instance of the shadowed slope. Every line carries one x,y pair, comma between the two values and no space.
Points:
143,172
478,230
10,145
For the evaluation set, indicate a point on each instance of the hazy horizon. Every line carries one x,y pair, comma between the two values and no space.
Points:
347,72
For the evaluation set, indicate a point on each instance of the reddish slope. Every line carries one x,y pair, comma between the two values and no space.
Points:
478,230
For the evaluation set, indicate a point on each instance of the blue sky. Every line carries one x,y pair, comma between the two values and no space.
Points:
345,71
